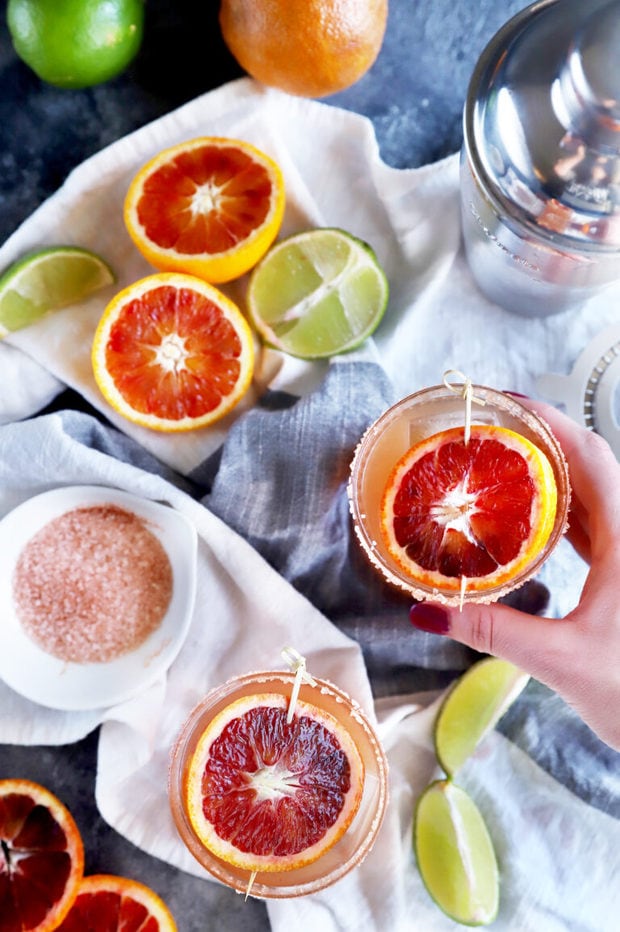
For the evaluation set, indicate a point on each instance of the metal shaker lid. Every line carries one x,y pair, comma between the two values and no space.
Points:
542,121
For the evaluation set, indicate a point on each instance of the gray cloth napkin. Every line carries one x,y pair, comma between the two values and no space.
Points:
281,484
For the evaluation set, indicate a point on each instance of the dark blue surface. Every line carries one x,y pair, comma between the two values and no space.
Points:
414,95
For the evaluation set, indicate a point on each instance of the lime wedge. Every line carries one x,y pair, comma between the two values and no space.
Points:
318,293
473,707
47,280
455,854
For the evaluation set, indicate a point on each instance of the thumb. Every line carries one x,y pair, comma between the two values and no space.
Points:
565,654
534,644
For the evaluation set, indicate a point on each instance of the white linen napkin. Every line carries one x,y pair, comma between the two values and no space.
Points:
245,612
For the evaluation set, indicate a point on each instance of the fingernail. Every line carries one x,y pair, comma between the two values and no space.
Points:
431,618
509,391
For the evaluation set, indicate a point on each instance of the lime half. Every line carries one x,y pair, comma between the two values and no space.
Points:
317,293
473,707
455,854
47,280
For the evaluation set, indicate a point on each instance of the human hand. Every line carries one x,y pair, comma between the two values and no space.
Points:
577,656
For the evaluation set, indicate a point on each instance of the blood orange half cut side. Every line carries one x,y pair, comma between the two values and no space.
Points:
265,795
209,206
482,510
106,903
172,353
41,858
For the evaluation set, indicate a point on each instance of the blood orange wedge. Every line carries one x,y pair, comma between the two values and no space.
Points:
266,795
172,353
41,858
106,903
482,510
209,206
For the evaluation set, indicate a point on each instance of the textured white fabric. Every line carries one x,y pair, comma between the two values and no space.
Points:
334,176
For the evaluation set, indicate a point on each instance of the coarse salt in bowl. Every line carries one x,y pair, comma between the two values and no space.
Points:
96,596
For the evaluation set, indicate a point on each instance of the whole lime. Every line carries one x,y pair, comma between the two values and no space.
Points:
76,43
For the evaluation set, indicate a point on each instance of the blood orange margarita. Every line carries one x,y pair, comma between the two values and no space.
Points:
277,798
456,515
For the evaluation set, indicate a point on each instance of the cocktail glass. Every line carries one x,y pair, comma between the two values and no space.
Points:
413,419
351,848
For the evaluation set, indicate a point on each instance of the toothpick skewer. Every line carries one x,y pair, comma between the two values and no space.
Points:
465,388
298,666
250,883
462,592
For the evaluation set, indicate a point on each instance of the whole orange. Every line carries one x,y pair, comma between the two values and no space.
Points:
311,48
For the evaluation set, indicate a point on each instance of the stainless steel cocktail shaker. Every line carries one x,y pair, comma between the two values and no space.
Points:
540,167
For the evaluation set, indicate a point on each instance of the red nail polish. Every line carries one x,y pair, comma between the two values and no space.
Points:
431,618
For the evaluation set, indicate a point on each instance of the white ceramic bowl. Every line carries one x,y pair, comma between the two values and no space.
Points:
60,684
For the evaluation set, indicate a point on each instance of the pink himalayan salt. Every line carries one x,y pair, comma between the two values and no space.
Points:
92,584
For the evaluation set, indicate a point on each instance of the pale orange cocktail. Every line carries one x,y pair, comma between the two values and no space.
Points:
412,432
328,758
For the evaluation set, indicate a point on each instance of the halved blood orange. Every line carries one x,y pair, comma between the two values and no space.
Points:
172,353
209,206
480,510
266,795
41,858
106,903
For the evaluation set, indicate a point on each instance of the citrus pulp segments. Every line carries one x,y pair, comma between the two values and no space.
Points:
540,518
210,206
47,280
455,854
317,293
250,860
108,902
472,708
45,855
127,336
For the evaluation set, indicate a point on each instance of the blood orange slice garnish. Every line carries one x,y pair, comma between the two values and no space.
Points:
482,510
209,206
41,858
106,903
266,795
172,353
